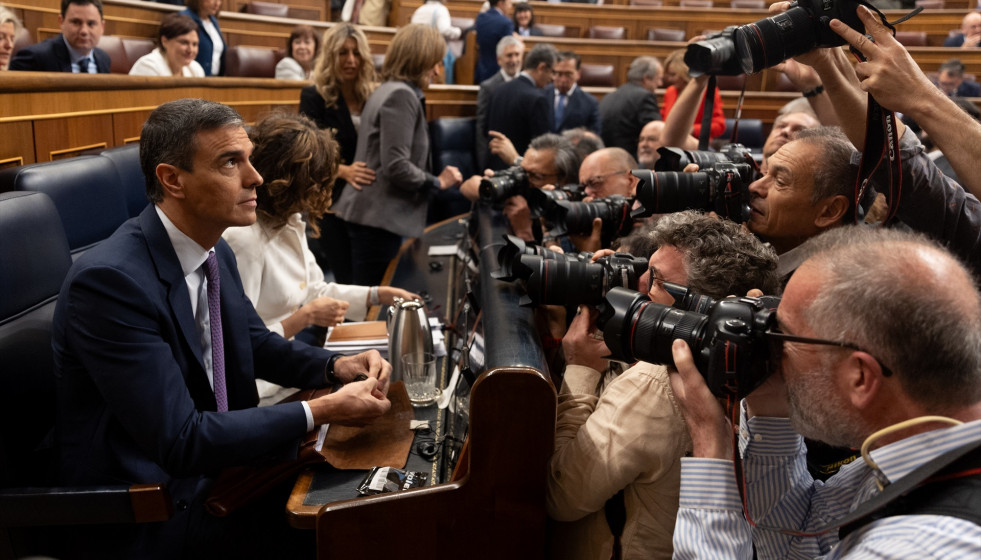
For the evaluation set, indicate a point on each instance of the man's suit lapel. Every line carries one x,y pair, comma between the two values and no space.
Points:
61,53
171,275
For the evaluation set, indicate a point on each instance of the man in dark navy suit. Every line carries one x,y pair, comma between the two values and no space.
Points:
571,106
490,26
518,109
950,79
75,49
157,349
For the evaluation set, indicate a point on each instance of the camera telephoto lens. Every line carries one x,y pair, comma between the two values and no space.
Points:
774,39
503,185
663,192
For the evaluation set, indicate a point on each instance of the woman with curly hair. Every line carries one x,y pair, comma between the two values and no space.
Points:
298,162
343,78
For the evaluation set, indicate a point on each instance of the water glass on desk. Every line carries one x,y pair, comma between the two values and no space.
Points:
419,376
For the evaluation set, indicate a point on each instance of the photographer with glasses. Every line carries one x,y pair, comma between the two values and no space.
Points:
623,434
893,368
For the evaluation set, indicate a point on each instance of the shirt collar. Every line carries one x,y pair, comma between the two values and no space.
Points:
189,253
75,55
528,77
568,93
898,459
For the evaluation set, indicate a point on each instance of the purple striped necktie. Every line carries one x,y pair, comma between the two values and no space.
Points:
217,341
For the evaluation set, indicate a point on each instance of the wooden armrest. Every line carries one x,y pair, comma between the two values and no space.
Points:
140,503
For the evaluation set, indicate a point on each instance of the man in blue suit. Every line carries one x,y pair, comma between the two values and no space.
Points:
75,49
571,106
517,109
490,26
157,349
950,80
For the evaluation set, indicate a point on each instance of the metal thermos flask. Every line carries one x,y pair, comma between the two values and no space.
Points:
408,331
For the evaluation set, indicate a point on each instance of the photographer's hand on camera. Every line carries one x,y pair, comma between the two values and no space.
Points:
711,433
518,213
592,242
580,345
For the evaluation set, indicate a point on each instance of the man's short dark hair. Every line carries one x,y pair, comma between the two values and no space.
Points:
542,52
66,3
926,328
169,136
954,67
833,172
566,160
720,257
585,141
569,55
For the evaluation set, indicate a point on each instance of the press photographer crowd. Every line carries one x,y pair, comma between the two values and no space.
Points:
770,355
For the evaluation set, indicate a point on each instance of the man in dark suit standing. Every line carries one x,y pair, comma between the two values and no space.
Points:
571,106
510,51
75,49
518,109
490,26
157,349
632,105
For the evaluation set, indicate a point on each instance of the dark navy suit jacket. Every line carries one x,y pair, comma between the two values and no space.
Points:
625,112
490,26
518,110
581,109
52,55
206,47
134,401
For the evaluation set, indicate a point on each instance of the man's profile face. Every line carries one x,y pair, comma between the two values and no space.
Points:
220,192
648,143
818,409
566,75
784,129
82,27
602,177
540,167
510,59
782,211
667,264
542,75
949,82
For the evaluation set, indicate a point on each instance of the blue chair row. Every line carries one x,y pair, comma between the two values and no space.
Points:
94,194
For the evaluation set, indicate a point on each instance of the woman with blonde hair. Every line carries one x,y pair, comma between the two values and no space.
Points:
343,78
9,27
298,163
394,141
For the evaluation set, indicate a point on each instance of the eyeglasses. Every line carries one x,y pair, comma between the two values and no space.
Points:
653,278
538,177
777,340
595,181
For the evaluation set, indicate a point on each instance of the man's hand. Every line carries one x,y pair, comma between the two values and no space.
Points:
592,242
890,74
501,146
354,404
326,312
580,346
369,363
711,432
518,213
357,174
449,177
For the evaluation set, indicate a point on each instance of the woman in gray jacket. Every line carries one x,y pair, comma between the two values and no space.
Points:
394,141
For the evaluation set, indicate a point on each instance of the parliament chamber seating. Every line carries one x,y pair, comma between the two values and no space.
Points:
607,32
267,9
124,51
551,30
86,191
912,38
35,254
252,62
598,75
750,133
663,34
126,159
452,141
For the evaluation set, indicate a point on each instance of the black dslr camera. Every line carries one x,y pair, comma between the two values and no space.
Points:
728,340
721,184
747,49
504,184
552,278
565,216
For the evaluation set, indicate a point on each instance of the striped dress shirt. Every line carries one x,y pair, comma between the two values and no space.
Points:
781,493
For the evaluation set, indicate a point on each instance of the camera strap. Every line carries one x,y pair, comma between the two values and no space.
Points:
881,143
708,106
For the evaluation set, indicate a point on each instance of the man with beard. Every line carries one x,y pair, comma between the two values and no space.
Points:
854,367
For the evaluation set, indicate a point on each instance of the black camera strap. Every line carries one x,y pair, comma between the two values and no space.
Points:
881,142
708,106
